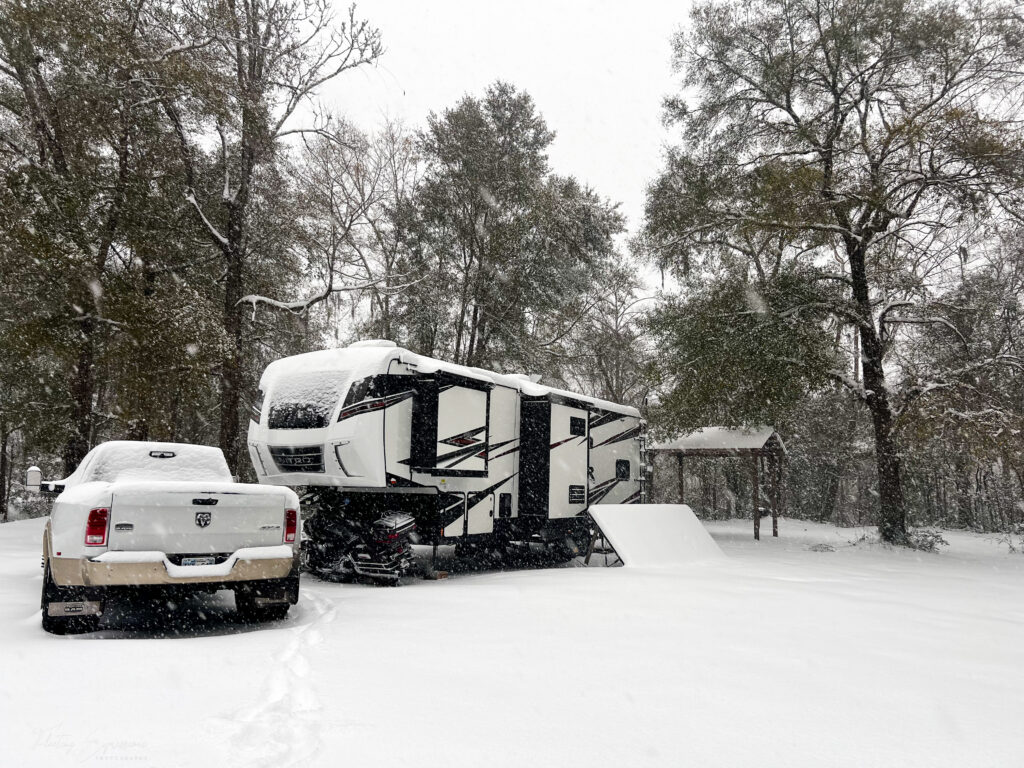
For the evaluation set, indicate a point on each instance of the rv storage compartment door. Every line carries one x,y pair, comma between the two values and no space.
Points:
461,429
570,465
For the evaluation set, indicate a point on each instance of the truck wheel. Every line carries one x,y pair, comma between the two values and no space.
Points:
62,625
251,612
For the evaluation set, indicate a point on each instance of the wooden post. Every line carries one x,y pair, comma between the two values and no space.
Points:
593,543
647,477
682,479
754,494
776,471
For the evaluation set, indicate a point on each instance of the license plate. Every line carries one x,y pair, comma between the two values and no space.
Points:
198,560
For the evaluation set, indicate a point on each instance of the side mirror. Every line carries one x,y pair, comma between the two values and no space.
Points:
33,479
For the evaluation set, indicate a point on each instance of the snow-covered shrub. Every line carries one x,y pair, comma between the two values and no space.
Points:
926,540
1014,538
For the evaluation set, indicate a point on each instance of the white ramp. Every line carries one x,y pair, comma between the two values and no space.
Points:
654,535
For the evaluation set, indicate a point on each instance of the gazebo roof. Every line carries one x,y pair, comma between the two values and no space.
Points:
725,441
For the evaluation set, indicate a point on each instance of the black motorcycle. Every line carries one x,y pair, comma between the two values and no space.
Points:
346,547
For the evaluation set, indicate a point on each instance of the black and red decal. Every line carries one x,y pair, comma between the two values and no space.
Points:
626,434
376,404
602,489
468,437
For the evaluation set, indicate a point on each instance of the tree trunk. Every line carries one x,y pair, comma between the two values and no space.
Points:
83,381
892,520
892,517
5,461
232,359
830,507
83,385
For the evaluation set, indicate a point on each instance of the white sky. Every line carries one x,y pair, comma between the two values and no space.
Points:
597,71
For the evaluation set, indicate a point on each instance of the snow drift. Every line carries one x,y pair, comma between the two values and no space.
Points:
655,535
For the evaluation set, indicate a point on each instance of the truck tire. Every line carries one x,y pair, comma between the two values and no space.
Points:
62,625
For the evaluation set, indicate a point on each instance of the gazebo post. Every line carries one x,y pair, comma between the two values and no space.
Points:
682,479
776,461
757,511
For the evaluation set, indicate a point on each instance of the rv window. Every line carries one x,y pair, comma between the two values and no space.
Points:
370,388
622,469
357,392
577,426
257,406
504,505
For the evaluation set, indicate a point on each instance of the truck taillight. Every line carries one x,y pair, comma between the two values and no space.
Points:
291,523
96,527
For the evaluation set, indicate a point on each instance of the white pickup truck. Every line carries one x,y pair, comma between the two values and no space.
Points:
159,517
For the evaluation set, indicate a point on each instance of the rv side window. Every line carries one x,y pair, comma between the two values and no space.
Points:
577,426
622,469
357,392
257,406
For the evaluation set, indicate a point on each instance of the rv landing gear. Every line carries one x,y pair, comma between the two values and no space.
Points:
487,555
564,550
567,540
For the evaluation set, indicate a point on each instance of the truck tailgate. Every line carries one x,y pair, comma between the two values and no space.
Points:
194,521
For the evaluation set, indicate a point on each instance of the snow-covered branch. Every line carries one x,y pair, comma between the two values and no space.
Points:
956,378
850,383
174,50
190,196
934,319
299,306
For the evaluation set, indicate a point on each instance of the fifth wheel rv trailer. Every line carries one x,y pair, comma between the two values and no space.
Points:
384,440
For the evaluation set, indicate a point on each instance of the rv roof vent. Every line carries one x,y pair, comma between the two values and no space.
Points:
372,343
531,377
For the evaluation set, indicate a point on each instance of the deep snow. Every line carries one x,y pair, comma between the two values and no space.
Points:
776,655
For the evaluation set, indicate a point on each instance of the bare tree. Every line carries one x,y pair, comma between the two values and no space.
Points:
266,59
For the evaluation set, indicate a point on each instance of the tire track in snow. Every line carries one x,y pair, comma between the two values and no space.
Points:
283,728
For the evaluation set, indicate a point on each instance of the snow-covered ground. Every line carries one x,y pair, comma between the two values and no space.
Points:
777,655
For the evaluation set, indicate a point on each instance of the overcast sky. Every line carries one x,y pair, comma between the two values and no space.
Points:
596,70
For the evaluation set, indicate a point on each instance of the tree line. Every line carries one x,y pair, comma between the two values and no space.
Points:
839,216
178,210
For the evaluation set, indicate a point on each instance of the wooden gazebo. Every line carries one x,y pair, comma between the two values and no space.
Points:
763,445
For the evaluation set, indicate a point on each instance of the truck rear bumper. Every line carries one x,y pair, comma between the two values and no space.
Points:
153,568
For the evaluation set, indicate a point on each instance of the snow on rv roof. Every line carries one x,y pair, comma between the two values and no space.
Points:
518,381
366,358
